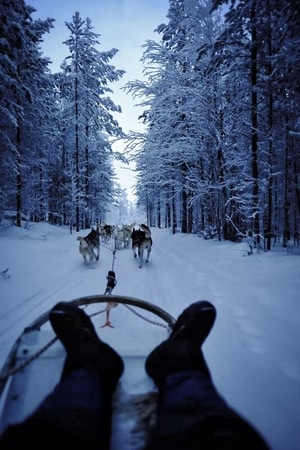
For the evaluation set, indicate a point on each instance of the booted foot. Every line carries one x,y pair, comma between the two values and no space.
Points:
84,348
182,350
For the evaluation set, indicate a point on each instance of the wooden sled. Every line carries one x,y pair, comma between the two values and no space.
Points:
34,365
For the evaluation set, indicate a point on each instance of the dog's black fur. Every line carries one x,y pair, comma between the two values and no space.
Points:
141,240
89,244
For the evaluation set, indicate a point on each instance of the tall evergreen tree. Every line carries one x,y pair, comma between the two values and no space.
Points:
179,106
270,32
89,73
21,69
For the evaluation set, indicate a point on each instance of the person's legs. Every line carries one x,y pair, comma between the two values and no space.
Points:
77,414
191,414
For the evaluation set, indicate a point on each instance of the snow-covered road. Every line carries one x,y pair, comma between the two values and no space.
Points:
253,349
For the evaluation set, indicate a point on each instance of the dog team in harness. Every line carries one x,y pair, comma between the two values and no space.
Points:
89,246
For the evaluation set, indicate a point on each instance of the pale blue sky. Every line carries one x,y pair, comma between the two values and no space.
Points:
122,24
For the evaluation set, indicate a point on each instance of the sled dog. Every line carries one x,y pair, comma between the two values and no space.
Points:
127,231
106,231
141,241
89,246
123,235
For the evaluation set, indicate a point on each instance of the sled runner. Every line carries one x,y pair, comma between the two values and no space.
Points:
34,365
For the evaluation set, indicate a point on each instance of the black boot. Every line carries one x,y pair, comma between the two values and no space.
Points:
182,350
84,348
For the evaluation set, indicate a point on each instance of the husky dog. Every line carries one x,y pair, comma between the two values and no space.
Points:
120,238
106,232
88,245
123,235
127,231
141,240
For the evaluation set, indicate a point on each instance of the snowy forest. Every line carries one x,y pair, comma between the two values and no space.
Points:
220,153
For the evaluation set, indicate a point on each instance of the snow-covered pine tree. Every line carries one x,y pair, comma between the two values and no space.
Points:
23,86
91,121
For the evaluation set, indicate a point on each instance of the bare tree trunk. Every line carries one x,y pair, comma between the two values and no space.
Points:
158,208
77,158
190,217
87,215
168,216
254,122
174,220
77,197
19,177
184,213
268,230
286,220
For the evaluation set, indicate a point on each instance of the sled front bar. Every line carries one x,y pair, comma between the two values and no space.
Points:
42,319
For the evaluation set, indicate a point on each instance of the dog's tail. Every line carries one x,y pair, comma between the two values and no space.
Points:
83,242
146,230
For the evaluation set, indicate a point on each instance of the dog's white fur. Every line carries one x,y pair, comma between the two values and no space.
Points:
147,230
123,235
88,246
141,241
127,231
84,249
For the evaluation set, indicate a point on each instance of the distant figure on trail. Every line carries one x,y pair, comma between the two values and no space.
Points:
251,242
191,414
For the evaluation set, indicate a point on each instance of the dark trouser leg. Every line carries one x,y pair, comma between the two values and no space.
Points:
192,415
76,415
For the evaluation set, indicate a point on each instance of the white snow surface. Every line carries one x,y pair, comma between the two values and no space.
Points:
253,349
